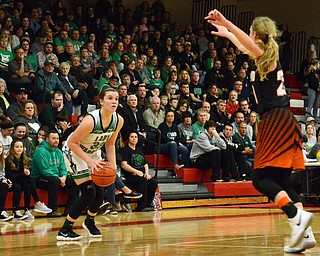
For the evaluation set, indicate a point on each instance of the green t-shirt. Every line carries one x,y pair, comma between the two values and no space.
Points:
197,129
5,57
58,42
111,35
156,83
77,45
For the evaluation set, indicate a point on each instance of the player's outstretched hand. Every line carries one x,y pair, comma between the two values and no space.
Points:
216,18
95,164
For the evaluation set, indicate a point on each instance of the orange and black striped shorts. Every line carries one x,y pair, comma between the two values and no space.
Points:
279,141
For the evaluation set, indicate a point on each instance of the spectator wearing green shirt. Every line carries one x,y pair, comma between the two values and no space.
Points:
75,36
5,57
199,125
28,54
60,40
156,81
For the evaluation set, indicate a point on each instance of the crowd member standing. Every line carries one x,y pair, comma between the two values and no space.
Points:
278,148
83,156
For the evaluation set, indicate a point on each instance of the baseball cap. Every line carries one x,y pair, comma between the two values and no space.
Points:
114,77
22,89
48,62
310,118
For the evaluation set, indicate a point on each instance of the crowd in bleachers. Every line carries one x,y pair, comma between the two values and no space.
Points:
54,61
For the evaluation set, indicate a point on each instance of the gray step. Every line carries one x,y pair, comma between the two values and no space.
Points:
177,187
179,196
161,172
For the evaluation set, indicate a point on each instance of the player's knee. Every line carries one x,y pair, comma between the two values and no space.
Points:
88,191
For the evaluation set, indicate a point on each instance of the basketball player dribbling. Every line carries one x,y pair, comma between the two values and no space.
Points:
278,148
82,155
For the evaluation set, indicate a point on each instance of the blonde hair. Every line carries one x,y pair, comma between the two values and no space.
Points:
265,28
312,66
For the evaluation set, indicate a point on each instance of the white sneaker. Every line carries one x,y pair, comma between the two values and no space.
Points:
42,208
299,224
18,216
307,242
29,215
4,216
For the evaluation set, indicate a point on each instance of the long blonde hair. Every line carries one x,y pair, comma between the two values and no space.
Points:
265,28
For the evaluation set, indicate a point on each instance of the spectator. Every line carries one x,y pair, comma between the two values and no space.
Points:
42,56
206,150
219,115
143,101
68,52
5,98
20,132
85,80
49,112
17,170
182,107
200,124
214,94
28,54
244,141
170,141
135,169
21,96
154,116
29,115
313,84
46,82
186,133
253,121
6,126
50,173
214,75
232,103
41,135
60,40
20,71
5,187
5,57
244,107
79,97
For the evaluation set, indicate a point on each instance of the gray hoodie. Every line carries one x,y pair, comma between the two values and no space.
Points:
205,143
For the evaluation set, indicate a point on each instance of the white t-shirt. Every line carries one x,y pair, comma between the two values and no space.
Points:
6,143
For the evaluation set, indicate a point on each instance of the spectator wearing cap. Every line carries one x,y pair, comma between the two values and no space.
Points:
46,82
188,58
312,121
51,23
112,83
20,71
40,40
5,98
21,97
70,83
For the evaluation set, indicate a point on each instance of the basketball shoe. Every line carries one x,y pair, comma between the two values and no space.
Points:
308,241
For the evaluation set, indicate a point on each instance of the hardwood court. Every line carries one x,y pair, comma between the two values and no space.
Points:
189,231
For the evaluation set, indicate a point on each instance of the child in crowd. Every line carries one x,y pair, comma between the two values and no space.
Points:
5,186
18,172
163,101
6,130
156,81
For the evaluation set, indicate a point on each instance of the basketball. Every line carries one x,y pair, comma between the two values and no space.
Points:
104,176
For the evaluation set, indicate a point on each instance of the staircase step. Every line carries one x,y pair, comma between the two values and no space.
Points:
169,179
177,188
189,195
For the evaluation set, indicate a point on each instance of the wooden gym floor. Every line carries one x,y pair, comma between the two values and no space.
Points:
236,230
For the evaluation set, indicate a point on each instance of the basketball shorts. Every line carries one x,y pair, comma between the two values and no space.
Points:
76,166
